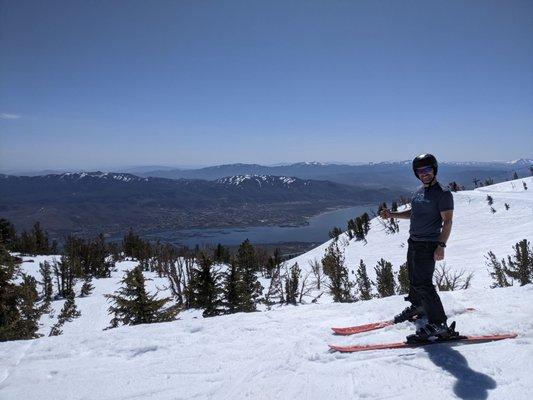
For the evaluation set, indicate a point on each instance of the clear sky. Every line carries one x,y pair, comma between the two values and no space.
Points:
97,84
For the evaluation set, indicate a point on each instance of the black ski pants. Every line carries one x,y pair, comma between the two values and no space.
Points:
420,266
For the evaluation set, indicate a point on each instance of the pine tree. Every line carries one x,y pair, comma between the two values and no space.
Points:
273,263
29,312
507,206
8,235
246,256
385,278
204,287
515,175
291,284
351,228
520,266
247,265
403,279
498,271
19,313
366,223
221,255
67,314
275,290
364,285
232,287
65,272
87,287
48,288
340,286
132,305
335,233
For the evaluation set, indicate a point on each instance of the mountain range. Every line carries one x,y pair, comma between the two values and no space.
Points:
86,203
395,175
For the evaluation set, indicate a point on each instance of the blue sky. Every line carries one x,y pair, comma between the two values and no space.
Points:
103,84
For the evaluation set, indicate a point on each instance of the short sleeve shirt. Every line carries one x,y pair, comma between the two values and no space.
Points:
426,206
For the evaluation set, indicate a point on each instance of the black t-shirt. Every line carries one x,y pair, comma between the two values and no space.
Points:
426,206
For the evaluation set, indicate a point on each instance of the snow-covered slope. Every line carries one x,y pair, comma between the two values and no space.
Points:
283,353
476,231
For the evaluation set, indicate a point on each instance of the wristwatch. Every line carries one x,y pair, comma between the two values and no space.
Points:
442,244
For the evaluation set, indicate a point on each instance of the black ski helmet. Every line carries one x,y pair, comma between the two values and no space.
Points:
424,160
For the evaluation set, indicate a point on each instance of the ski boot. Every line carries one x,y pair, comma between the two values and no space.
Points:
410,313
434,332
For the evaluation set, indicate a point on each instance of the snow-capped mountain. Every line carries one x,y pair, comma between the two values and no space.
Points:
283,353
76,176
89,203
260,180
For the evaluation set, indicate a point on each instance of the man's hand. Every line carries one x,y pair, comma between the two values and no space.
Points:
385,213
439,253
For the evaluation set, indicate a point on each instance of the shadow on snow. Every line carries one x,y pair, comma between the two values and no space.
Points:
470,385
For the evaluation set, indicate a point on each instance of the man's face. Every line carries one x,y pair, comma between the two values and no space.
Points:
425,174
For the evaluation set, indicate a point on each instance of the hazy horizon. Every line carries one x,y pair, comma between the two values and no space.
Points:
127,168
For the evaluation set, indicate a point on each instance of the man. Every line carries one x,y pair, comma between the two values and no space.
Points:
430,226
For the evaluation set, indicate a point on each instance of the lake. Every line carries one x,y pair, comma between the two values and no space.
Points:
316,232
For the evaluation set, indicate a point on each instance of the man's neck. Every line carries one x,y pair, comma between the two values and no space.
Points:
432,183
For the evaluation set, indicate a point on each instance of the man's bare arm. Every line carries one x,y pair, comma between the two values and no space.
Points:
447,217
401,214
387,214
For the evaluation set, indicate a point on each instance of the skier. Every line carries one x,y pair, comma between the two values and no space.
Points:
430,218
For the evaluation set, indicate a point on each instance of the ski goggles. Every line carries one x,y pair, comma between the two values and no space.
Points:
424,170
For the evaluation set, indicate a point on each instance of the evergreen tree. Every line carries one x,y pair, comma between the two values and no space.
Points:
275,290
403,279
359,231
67,314
515,175
132,305
246,257
490,200
273,263
19,313
365,218
232,288
351,228
364,284
249,288
204,287
394,206
87,287
221,255
520,266
384,278
340,286
48,288
507,206
8,235
498,271
291,284
335,233
524,184
65,272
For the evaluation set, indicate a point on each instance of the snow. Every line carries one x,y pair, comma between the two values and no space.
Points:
283,353
259,179
101,175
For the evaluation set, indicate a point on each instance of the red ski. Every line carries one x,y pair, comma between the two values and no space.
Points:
351,330
405,345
